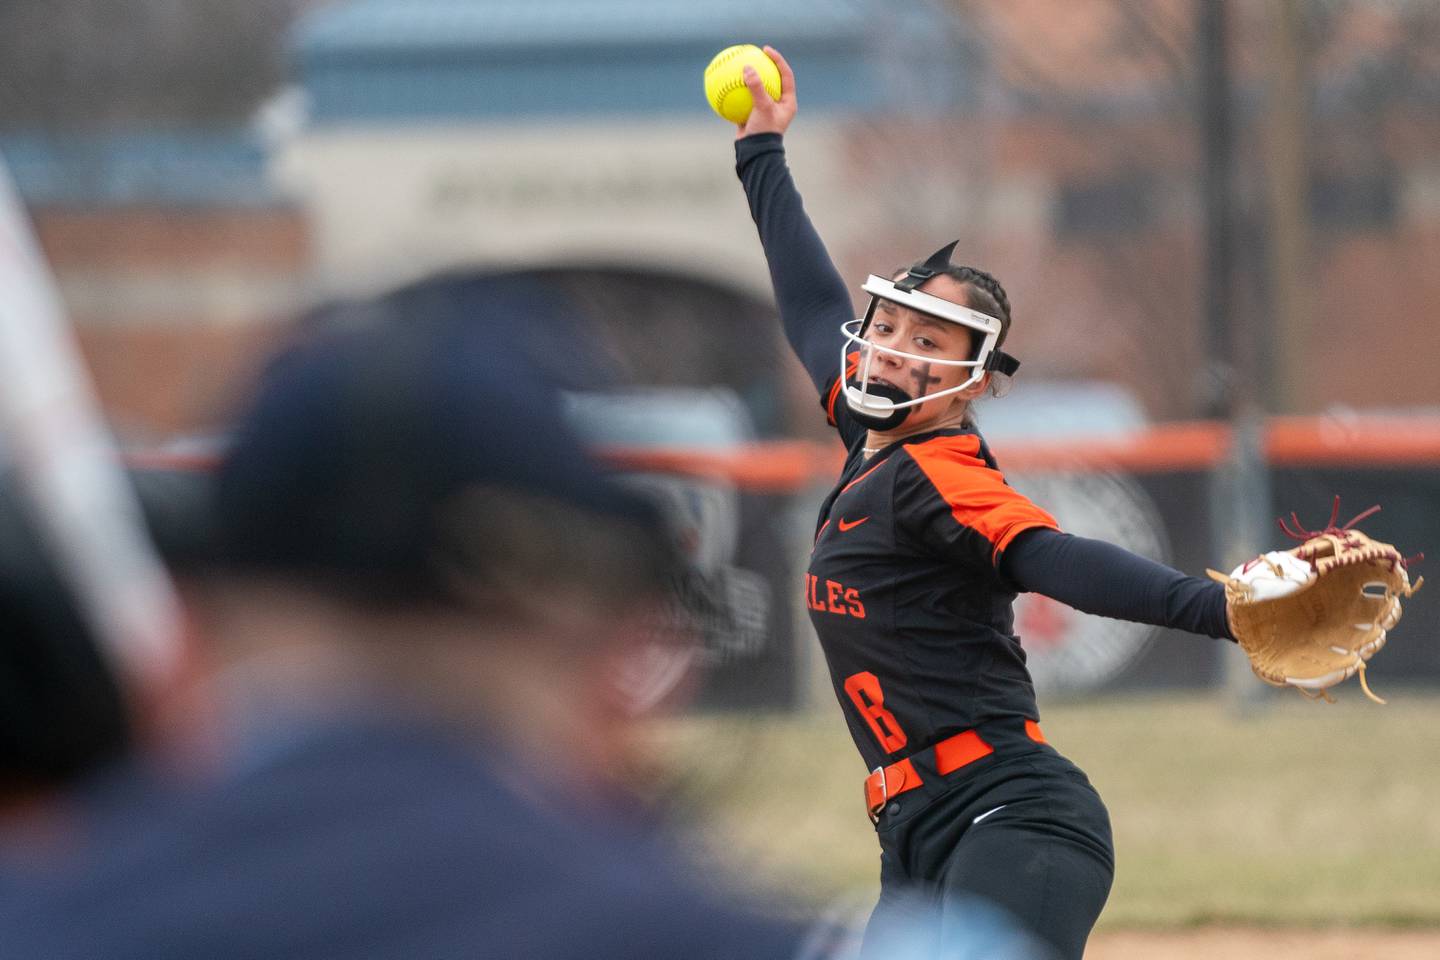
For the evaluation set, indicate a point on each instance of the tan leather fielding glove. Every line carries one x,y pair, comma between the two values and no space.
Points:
1312,616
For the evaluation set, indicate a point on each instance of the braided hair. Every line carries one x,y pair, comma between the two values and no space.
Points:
986,295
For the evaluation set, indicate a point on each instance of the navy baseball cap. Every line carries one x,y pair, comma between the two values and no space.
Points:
362,432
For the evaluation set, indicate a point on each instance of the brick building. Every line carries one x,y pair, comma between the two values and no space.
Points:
175,260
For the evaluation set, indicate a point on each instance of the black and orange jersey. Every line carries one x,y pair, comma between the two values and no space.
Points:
918,550
903,585
905,591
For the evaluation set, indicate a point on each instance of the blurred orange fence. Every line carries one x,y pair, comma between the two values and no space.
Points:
747,512
779,466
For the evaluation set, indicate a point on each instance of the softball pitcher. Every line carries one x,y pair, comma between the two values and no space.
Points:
920,550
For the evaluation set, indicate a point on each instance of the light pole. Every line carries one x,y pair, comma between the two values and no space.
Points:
1240,485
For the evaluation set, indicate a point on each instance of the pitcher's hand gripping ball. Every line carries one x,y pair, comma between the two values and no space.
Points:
1311,617
725,80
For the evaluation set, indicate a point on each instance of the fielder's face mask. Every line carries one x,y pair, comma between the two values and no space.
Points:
882,406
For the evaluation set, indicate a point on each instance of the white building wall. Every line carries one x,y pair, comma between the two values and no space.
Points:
391,203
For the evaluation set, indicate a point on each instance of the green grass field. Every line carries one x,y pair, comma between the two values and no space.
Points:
1299,814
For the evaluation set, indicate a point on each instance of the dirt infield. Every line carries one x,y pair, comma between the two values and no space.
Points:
1252,944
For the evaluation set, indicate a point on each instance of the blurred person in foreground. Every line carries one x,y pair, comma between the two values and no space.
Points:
62,712
416,595
423,593
68,711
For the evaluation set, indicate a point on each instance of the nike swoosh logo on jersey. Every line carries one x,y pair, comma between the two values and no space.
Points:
850,524
987,813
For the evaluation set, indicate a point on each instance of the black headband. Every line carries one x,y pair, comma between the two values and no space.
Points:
935,264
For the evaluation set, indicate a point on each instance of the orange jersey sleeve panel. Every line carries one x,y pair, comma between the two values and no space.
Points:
976,493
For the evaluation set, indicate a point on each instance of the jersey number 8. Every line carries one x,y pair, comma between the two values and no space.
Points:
864,691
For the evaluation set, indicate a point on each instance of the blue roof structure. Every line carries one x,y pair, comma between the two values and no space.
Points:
203,169
390,62
398,60
502,24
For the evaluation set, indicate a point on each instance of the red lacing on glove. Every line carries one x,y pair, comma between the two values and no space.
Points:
1330,529
1299,533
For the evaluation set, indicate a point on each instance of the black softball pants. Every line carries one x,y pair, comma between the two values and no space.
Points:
1025,833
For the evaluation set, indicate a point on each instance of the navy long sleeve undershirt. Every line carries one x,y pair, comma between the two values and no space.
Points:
1100,578
812,296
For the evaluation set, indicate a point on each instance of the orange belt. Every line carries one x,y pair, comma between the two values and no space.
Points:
885,783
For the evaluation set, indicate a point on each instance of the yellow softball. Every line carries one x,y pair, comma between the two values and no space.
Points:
725,80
